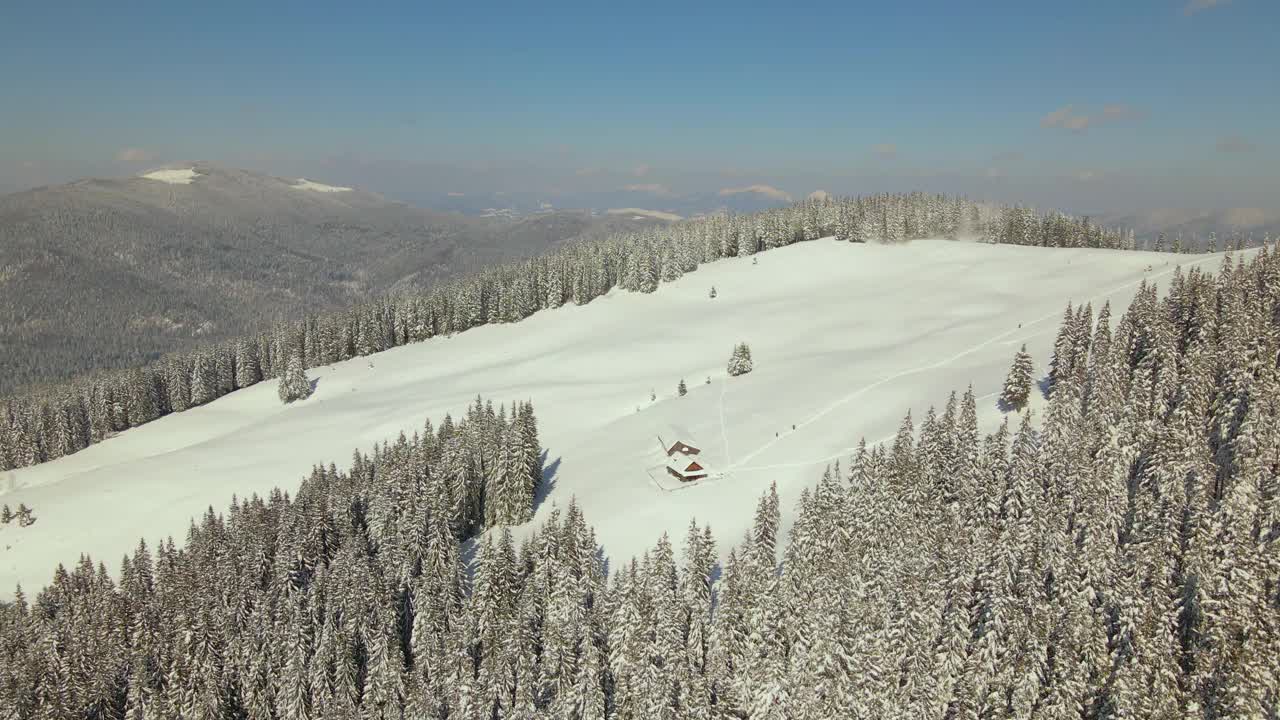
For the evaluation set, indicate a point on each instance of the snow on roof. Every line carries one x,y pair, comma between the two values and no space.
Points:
182,176
685,465
305,184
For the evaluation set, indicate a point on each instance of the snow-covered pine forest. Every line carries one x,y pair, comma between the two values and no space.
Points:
52,422
1118,559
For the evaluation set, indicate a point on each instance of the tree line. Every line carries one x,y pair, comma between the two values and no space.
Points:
59,420
1121,560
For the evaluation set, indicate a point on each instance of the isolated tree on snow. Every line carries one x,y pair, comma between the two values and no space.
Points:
713,292
653,395
681,389
294,384
740,361
1017,386
6,515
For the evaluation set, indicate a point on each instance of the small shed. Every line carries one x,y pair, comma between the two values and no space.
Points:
685,468
681,456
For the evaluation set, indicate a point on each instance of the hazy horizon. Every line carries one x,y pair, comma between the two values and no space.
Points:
1160,103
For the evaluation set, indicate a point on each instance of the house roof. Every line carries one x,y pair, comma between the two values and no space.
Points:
684,447
685,465
707,457
671,435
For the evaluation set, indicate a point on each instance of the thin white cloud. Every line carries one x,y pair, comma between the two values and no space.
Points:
133,155
457,194
1196,6
1118,111
885,150
819,195
1234,144
641,170
1062,118
1066,118
653,188
768,190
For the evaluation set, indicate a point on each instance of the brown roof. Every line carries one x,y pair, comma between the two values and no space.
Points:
684,447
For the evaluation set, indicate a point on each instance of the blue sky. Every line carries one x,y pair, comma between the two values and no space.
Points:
1142,102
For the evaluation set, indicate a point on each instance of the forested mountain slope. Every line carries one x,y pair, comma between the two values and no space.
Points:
843,343
108,273
1119,560
61,420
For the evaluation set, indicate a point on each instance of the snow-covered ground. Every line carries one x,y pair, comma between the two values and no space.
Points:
305,184
845,339
182,176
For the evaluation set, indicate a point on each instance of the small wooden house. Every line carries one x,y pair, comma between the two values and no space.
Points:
685,468
682,460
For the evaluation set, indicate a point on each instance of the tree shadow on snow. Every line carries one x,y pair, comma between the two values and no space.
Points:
315,383
548,481
467,552
1044,384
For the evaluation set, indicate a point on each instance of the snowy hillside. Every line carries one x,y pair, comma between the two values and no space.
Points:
845,339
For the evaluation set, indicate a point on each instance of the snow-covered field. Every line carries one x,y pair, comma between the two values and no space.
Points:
305,184
182,176
845,339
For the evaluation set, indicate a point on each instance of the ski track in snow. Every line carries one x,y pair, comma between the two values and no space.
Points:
724,435
741,465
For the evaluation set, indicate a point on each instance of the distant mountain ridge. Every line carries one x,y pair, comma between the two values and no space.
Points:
102,273
654,198
1194,224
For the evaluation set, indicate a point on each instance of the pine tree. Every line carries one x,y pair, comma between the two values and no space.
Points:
294,384
1017,385
713,292
681,389
740,362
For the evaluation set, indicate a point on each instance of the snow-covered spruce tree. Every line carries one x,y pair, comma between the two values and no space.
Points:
294,384
712,294
681,389
740,361
1017,385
